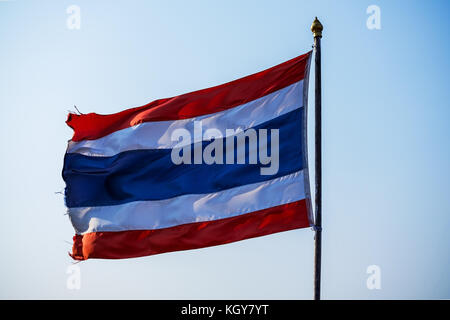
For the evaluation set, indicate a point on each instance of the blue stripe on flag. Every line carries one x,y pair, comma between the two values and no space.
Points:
151,175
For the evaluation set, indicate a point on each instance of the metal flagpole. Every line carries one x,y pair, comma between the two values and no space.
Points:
316,29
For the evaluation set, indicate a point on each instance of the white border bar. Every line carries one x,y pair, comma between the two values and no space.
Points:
149,215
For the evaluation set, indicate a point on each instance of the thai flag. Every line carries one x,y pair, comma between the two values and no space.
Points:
188,172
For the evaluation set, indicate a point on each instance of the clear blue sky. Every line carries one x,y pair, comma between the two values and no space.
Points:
386,137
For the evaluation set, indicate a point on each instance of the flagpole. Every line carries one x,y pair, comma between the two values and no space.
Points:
316,29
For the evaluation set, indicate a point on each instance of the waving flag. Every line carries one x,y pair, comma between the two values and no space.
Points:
204,168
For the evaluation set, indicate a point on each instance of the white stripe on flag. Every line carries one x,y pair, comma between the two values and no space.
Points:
149,215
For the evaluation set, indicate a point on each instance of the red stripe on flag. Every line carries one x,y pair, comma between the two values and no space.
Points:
137,243
92,126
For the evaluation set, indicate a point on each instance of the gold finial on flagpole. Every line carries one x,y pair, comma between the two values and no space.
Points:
317,28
